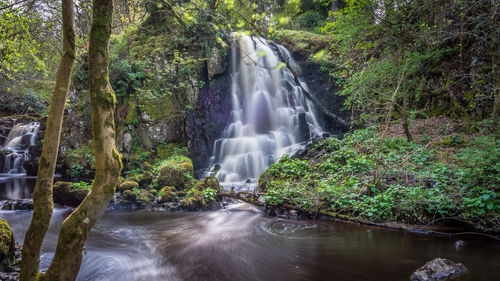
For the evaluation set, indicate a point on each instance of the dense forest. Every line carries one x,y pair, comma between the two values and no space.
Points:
374,112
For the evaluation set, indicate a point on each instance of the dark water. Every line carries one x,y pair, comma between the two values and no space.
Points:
16,187
240,244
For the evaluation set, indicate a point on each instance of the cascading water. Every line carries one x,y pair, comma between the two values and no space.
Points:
270,114
20,138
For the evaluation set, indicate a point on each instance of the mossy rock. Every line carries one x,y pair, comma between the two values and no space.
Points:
263,179
194,199
7,244
166,194
212,182
175,171
146,180
164,151
129,195
453,141
133,178
127,185
65,195
144,198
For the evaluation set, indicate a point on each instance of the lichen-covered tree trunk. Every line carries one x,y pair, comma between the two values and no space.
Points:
42,195
75,228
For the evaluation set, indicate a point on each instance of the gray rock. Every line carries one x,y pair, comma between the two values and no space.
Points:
438,269
22,204
459,244
127,142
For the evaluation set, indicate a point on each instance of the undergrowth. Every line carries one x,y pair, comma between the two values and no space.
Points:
369,177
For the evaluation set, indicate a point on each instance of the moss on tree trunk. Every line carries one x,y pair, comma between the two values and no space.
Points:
42,195
75,228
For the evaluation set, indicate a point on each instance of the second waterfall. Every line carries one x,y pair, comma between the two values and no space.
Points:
270,114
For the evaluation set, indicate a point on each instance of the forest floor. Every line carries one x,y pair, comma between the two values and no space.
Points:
446,177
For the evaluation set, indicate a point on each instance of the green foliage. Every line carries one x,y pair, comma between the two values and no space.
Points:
20,103
19,50
79,161
77,170
81,185
311,20
431,59
390,179
136,190
290,169
273,197
210,194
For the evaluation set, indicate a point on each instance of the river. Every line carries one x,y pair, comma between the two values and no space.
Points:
241,243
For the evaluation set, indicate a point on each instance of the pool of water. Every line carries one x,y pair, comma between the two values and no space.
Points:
241,243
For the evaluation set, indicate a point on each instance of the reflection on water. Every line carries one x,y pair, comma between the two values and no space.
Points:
16,187
241,244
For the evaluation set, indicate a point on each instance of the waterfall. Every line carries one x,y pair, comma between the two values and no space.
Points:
270,114
20,138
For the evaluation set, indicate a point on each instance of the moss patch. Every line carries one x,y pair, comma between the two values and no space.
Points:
175,171
127,185
166,194
303,42
7,244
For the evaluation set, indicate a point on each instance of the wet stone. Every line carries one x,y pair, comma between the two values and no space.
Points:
438,269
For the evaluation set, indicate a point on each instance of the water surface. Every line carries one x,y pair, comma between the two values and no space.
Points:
240,243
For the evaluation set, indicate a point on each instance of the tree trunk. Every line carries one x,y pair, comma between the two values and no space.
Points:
391,103
405,117
495,60
42,195
334,6
75,228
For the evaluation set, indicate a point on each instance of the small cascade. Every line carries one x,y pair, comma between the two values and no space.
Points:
20,138
270,115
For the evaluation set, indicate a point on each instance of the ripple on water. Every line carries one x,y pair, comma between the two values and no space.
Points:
282,227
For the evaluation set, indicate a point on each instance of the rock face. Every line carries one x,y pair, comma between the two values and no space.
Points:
438,269
31,165
7,244
323,88
206,122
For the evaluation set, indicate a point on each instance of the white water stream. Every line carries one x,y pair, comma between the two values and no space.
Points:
270,114
20,138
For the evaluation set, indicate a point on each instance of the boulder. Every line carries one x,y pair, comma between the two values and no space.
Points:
127,185
65,195
204,195
166,194
212,182
22,204
7,244
127,143
146,180
142,198
438,269
129,195
31,166
175,171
